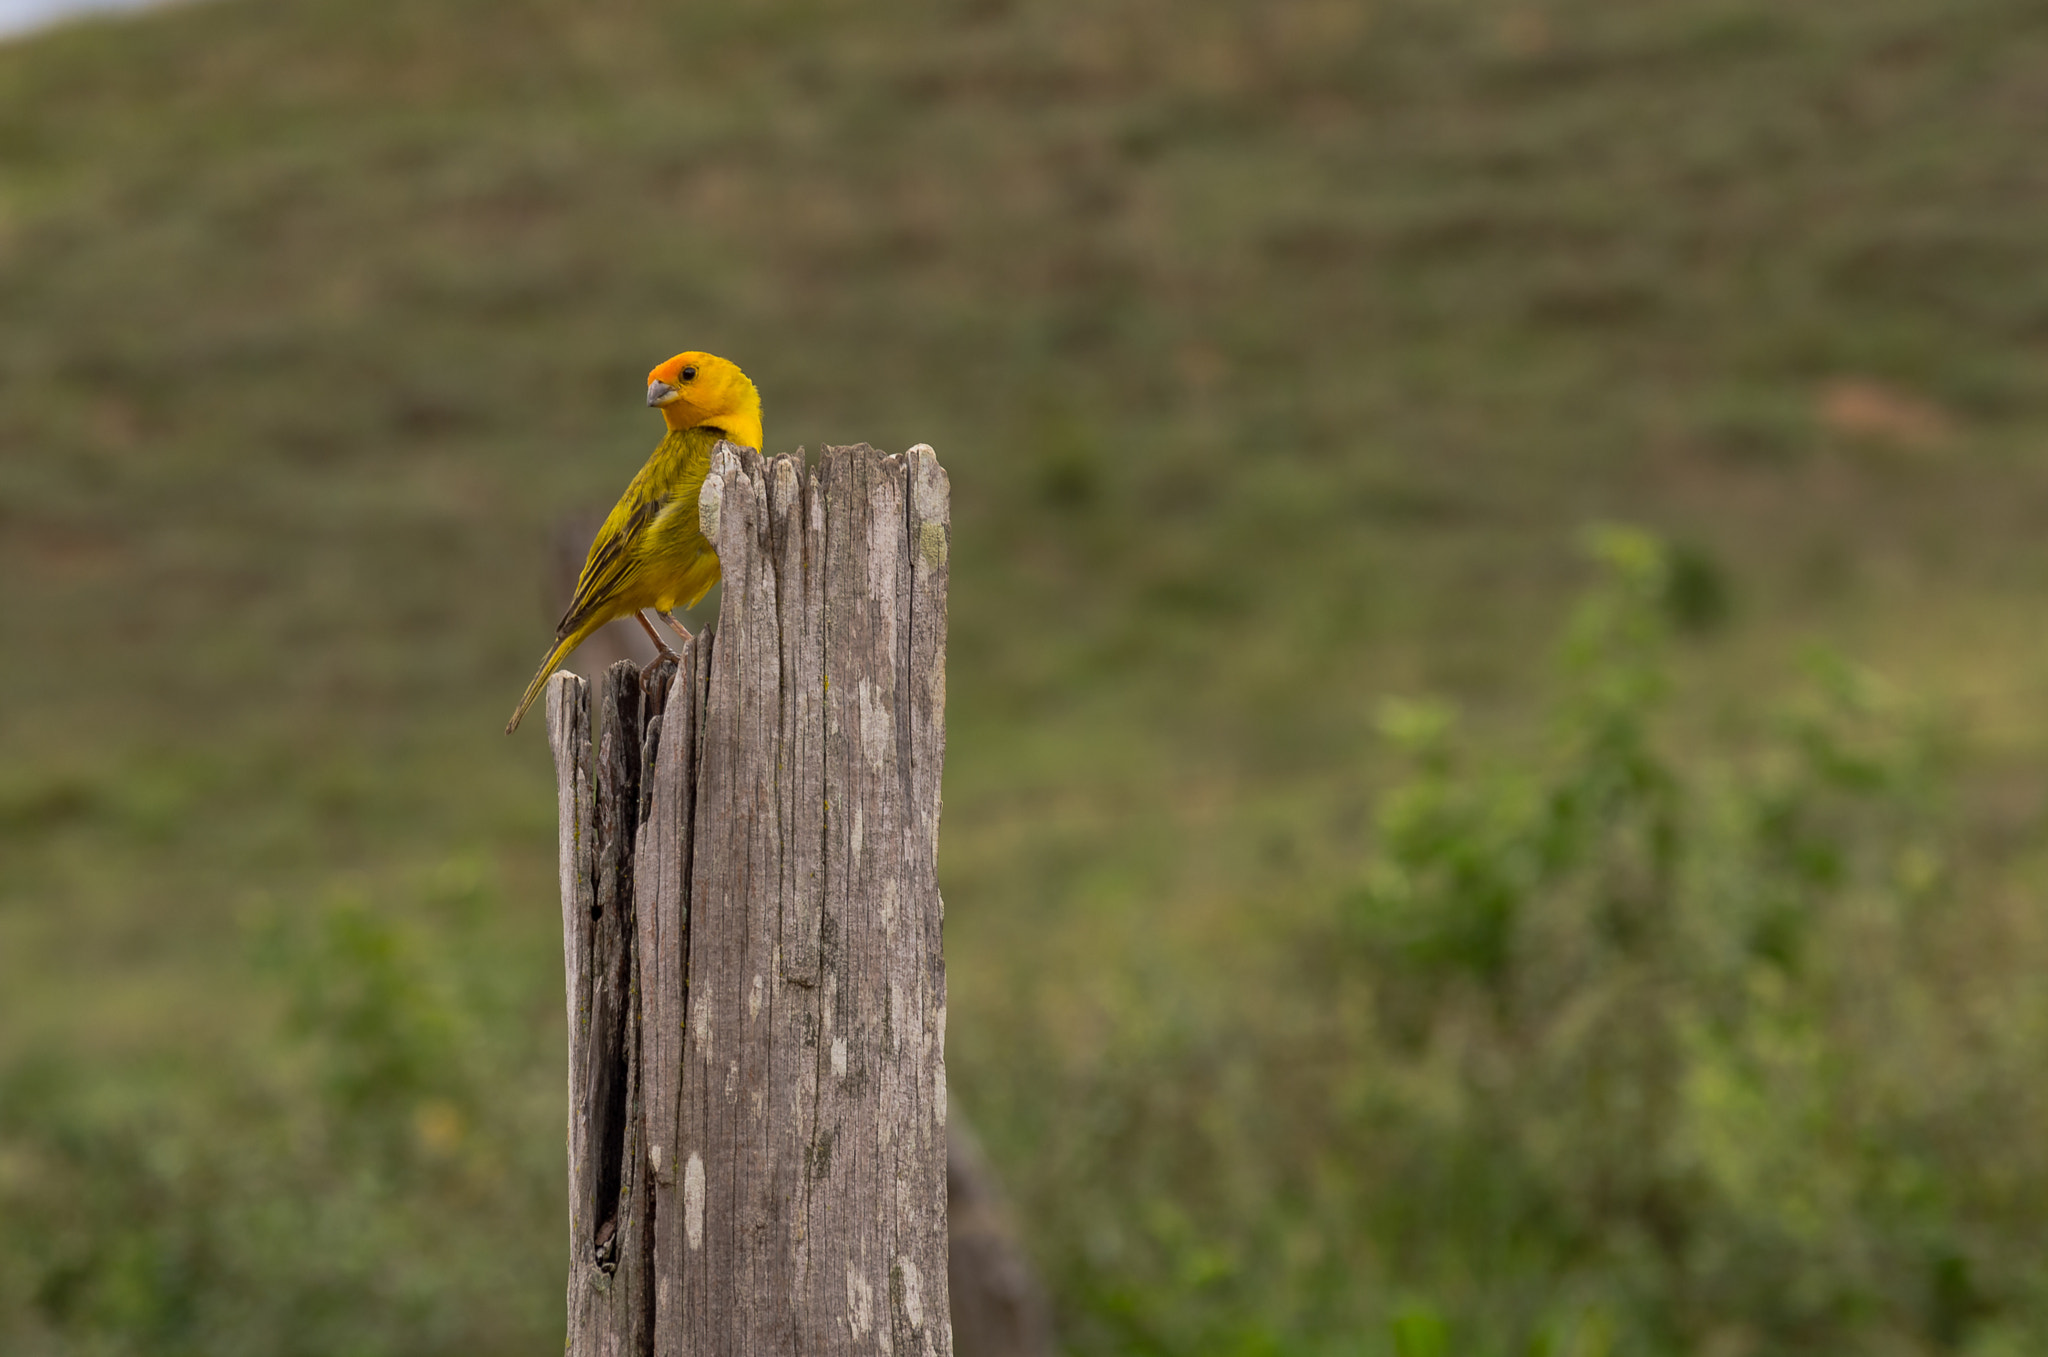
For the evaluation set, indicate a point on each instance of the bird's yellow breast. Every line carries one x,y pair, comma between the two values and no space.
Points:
672,565
681,564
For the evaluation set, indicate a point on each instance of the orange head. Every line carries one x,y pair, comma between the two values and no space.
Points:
703,391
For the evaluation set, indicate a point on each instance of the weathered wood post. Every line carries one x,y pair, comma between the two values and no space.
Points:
751,936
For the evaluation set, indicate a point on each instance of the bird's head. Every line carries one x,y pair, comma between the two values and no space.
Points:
701,390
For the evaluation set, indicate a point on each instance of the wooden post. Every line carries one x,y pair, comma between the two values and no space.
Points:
999,1308
751,937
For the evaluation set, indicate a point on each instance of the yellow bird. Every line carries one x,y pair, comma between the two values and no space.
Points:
650,552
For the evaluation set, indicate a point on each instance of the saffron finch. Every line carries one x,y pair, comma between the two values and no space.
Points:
650,552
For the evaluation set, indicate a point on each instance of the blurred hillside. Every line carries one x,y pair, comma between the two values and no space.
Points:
1279,353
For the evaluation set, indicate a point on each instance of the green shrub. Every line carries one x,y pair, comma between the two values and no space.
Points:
1625,1042
378,1190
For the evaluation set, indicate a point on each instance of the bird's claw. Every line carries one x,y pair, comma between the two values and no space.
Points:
661,648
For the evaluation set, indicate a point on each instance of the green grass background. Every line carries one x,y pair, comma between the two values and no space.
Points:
1279,354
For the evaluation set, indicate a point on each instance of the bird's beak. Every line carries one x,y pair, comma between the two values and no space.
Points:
661,393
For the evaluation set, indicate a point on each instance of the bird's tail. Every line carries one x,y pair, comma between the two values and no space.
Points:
540,678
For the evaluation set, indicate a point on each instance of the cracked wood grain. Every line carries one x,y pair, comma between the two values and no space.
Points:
609,1296
751,936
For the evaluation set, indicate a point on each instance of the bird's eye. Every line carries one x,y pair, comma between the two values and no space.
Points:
689,372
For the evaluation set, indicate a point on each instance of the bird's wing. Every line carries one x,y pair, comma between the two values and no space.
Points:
609,562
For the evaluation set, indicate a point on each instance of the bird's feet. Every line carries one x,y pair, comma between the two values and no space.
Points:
661,647
674,625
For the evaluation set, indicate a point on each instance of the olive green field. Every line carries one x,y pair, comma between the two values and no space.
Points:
1497,797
